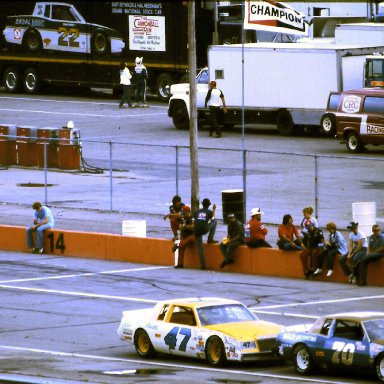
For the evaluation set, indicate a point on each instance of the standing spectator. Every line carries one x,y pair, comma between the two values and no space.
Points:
375,252
235,237
174,215
313,242
204,223
140,76
307,218
42,220
214,99
187,234
336,245
125,81
287,231
357,250
255,230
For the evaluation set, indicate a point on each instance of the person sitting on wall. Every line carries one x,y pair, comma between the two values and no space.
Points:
174,215
255,231
234,238
287,231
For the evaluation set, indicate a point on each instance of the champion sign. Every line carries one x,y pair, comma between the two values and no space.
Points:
274,16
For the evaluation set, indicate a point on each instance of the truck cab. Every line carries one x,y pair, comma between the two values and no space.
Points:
374,71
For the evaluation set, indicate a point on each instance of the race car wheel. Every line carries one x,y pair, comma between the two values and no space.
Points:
163,84
284,123
180,116
31,81
99,44
328,125
215,352
354,143
379,367
302,360
32,41
143,344
11,80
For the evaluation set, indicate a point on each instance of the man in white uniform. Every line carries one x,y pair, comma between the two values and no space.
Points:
214,100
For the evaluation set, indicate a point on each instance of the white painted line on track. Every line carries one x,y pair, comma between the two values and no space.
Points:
87,274
190,367
130,115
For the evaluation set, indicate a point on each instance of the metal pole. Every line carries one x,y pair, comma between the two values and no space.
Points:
242,114
110,177
45,174
316,187
177,169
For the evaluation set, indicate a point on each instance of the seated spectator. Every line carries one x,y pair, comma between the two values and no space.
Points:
336,245
375,252
235,237
313,242
187,234
357,249
307,217
287,231
255,231
174,215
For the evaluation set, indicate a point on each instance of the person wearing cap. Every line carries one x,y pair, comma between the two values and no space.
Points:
234,238
357,250
205,222
174,215
42,220
255,231
287,231
375,252
336,245
140,76
125,81
214,100
187,234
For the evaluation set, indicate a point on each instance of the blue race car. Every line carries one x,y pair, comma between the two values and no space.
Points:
348,341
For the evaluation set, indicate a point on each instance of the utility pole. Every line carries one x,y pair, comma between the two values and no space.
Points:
193,134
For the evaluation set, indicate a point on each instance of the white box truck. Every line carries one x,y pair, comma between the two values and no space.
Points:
286,84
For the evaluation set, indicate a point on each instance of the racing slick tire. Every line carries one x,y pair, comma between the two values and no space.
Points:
379,368
180,116
31,81
143,344
354,143
100,44
215,351
32,41
302,360
328,125
11,80
163,85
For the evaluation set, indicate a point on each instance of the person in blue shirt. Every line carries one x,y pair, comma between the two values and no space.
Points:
42,220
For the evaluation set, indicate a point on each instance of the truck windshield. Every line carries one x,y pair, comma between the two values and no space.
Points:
374,71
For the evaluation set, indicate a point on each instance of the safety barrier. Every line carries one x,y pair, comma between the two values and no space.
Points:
259,261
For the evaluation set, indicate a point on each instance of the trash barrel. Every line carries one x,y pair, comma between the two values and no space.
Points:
233,202
26,146
47,137
7,144
364,213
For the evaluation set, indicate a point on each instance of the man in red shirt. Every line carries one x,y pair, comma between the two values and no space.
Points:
255,230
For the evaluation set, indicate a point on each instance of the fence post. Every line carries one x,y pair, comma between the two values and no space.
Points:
316,187
245,184
45,174
110,177
177,169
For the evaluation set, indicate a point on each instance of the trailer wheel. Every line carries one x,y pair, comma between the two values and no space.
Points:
354,143
32,41
179,115
164,81
99,44
285,123
11,80
328,124
31,81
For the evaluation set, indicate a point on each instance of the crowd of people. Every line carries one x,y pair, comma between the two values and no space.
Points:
315,249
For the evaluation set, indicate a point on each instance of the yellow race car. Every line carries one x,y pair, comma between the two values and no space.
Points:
206,328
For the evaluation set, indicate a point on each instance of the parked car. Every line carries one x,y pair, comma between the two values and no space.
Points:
349,341
206,328
358,117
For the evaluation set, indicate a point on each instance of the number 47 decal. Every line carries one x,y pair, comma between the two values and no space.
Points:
170,338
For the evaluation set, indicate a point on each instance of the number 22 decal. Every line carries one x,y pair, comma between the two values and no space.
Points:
170,338
345,350
68,37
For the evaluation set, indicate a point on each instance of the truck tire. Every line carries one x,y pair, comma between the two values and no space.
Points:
31,80
328,125
11,80
164,81
179,115
32,41
354,143
284,123
99,44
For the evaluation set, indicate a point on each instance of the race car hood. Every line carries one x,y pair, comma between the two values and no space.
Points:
247,330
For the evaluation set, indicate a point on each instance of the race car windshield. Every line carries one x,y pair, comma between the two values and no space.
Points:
220,314
375,329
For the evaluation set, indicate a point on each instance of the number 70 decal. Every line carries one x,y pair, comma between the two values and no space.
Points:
343,353
170,338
